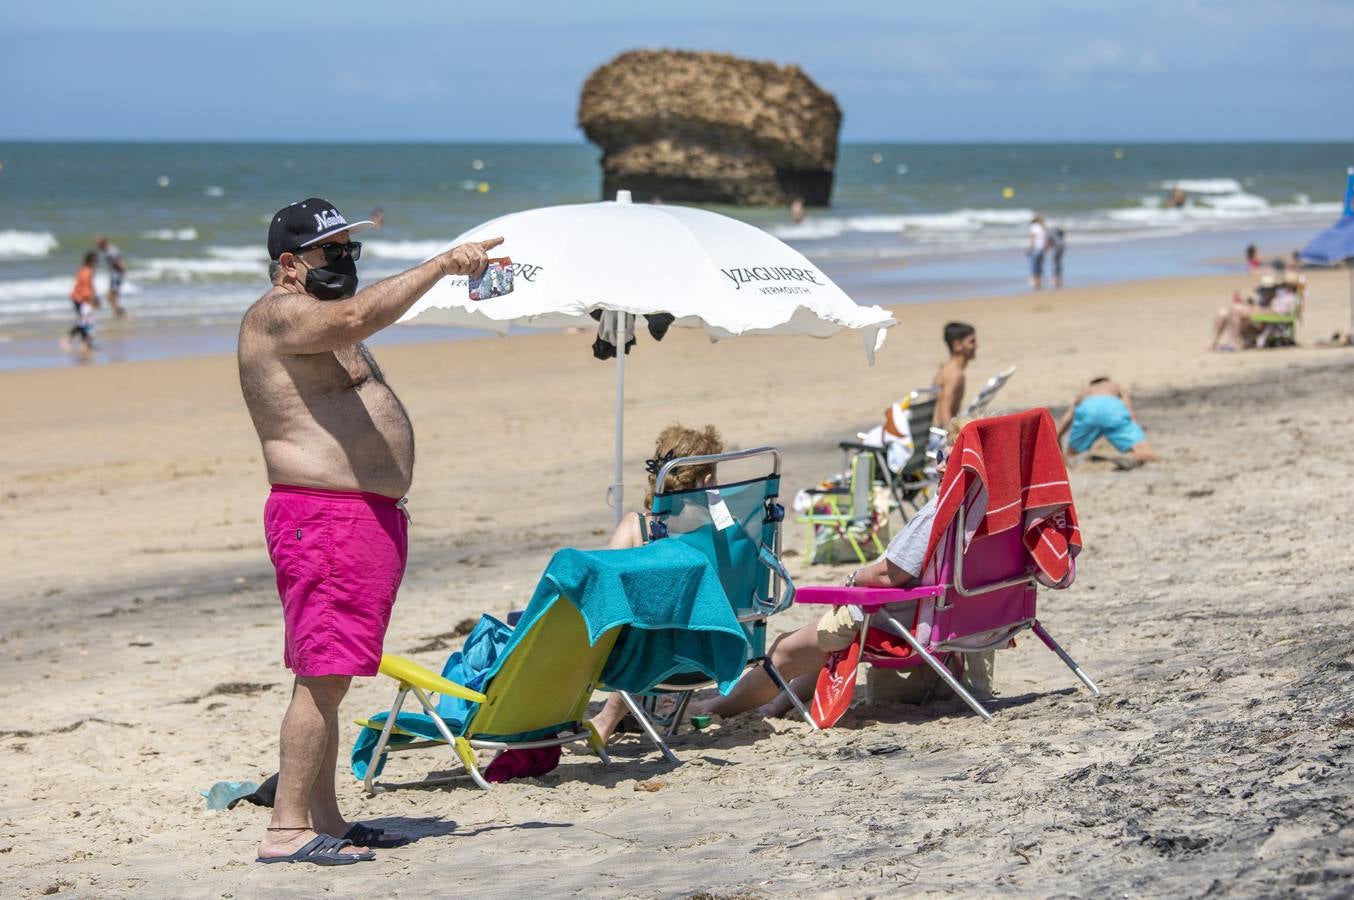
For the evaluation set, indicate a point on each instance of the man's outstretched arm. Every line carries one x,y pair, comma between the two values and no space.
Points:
301,325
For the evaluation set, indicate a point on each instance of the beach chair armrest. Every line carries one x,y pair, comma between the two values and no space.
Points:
773,605
865,597
411,673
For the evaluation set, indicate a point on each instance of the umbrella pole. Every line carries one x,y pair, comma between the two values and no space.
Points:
616,494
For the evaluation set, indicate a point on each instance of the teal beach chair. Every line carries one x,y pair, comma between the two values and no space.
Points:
737,526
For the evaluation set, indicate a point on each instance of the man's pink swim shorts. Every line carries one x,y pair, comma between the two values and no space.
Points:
339,556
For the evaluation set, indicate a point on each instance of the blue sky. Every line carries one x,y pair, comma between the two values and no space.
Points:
1091,70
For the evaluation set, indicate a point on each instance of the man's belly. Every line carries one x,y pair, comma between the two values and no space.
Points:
375,455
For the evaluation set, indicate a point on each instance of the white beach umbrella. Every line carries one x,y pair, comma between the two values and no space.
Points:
706,270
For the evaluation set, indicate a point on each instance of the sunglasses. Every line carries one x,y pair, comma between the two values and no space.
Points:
335,251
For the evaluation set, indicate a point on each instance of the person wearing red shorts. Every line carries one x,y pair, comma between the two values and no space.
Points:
339,450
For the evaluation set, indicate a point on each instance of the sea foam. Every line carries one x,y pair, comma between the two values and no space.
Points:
412,250
1202,185
26,244
170,234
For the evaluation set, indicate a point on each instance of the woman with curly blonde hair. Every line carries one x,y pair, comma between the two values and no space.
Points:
674,442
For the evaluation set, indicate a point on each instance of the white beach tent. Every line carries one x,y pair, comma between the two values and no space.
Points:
708,271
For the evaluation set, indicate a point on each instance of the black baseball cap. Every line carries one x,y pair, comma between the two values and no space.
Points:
300,225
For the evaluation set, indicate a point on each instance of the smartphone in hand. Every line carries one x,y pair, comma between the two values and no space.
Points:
495,282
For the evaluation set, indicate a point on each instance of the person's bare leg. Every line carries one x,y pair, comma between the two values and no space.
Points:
609,719
118,311
1220,322
794,654
312,716
324,810
780,705
1143,452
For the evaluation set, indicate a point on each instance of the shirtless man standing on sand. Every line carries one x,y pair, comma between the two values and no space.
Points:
339,450
962,341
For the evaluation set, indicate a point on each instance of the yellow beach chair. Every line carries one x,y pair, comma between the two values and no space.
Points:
647,611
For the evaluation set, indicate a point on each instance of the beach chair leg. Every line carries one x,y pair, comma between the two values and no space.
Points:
369,782
774,674
459,745
466,754
938,667
649,730
595,742
1062,654
678,712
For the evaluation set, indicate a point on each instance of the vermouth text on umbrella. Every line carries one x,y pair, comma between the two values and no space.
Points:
741,277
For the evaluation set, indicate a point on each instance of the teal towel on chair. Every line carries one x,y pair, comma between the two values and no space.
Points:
678,616
675,617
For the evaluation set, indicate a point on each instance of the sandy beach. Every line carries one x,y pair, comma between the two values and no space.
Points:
140,651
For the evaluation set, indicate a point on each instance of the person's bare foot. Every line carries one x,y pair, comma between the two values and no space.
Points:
285,841
609,718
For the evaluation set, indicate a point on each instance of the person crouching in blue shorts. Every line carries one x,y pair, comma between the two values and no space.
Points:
1103,409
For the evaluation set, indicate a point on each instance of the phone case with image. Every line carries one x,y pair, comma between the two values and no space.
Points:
495,282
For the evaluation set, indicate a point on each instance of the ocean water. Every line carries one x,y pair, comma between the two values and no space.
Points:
191,219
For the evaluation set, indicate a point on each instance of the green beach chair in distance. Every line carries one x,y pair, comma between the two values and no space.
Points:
545,683
905,482
1278,329
737,525
847,511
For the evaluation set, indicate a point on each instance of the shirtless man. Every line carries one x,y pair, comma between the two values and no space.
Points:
339,451
1103,409
962,342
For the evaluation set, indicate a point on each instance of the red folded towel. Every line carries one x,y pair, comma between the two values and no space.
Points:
1011,469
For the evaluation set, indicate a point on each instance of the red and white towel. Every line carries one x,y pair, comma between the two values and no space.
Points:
1011,469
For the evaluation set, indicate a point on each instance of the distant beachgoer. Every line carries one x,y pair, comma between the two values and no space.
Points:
673,442
962,341
117,270
1057,243
797,210
377,217
1252,258
1035,251
339,450
1294,262
1175,199
1232,326
1103,409
84,300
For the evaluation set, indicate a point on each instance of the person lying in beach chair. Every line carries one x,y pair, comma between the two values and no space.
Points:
736,525
1278,325
800,655
1268,319
1003,524
620,620
920,581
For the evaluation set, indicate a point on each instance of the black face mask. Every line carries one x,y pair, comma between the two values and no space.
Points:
336,281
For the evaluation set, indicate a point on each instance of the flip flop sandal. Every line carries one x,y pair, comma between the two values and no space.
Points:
325,850
363,835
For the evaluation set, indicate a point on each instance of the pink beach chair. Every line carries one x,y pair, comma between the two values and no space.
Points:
976,597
